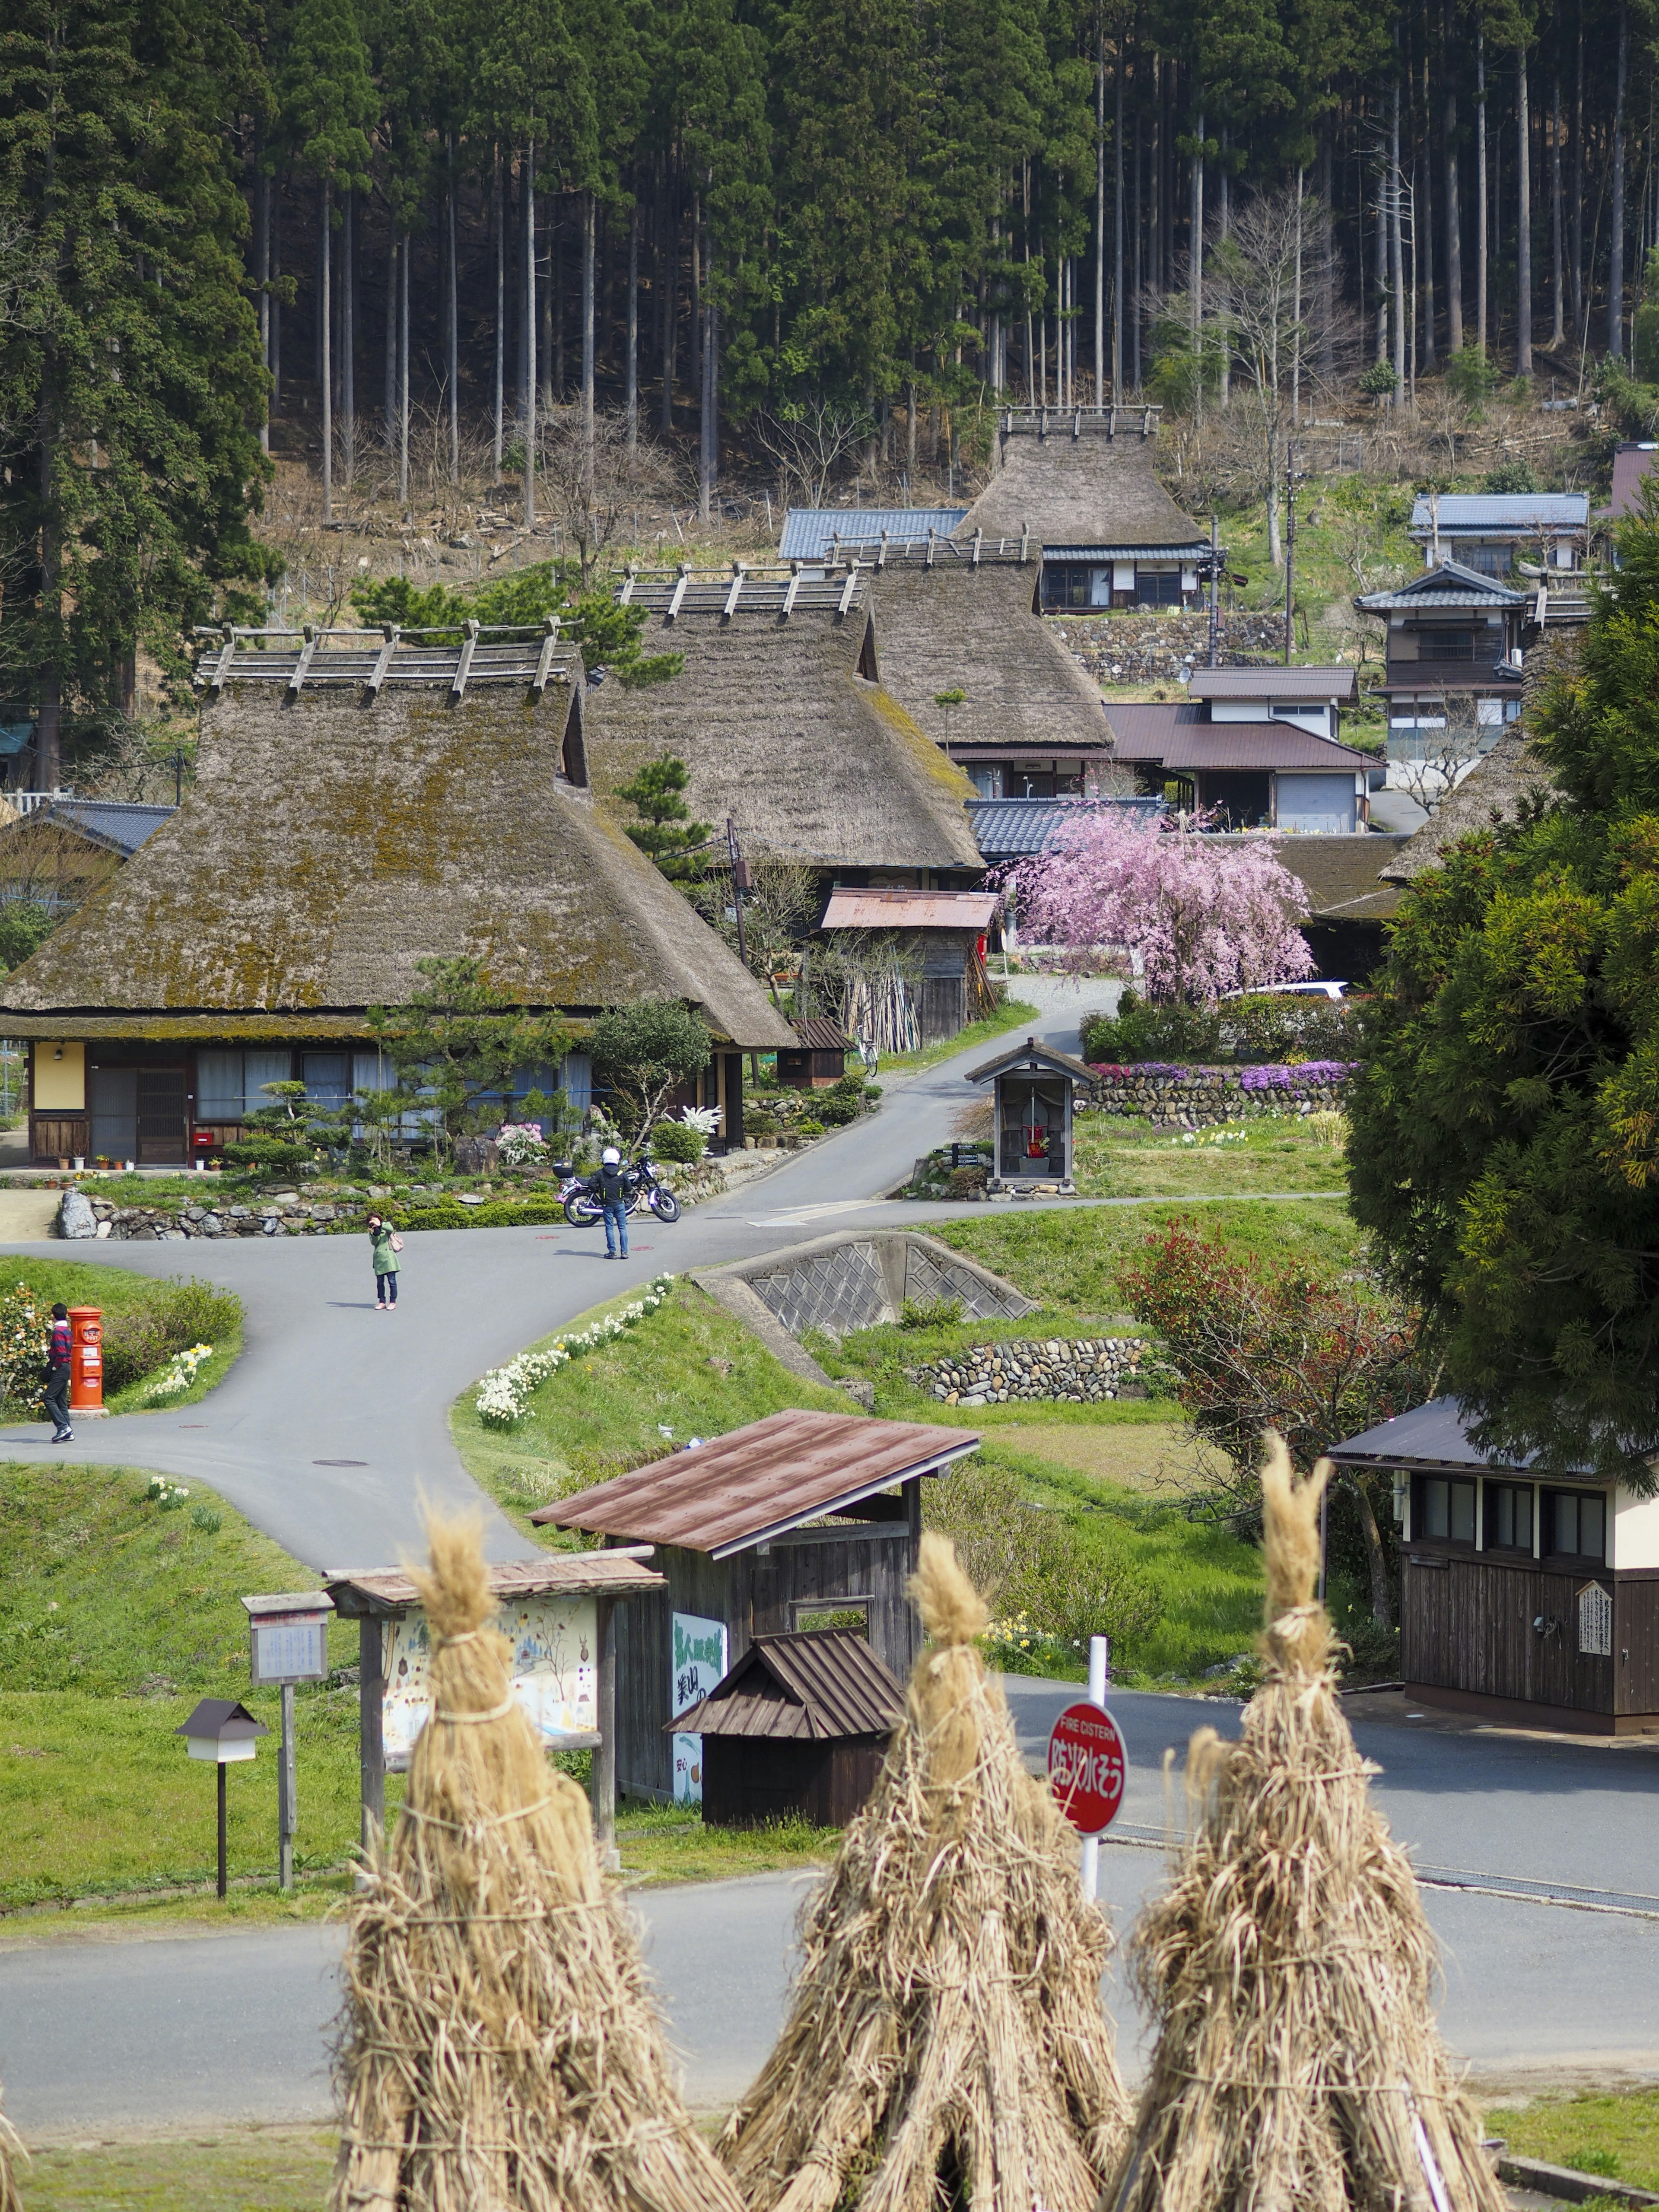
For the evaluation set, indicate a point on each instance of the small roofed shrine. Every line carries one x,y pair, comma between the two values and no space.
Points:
1032,1088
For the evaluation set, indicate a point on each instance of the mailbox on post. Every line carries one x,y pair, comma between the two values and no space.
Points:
87,1362
288,1642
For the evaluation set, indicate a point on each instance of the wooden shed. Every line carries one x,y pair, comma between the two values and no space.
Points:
789,1524
798,1728
819,1057
1532,1599
950,930
1031,1086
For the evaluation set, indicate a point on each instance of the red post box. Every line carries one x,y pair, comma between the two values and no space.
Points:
87,1361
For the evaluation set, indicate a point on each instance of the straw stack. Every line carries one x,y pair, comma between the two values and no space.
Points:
1288,1967
945,2039
12,2155
497,2051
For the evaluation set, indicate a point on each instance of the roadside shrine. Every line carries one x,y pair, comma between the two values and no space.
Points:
1032,1089
558,1611
801,1521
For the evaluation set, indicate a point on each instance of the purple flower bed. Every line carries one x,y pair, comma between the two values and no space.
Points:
1311,1072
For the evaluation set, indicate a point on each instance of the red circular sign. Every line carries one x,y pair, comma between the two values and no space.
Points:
1087,1766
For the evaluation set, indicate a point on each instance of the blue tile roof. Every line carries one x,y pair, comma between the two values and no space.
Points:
807,529
1013,829
120,825
1472,512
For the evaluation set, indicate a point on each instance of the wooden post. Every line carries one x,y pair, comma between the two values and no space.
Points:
604,1753
285,1794
220,1770
371,1693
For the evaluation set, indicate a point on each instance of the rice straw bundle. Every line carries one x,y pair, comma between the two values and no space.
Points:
12,2153
946,2031
1297,2066
497,2049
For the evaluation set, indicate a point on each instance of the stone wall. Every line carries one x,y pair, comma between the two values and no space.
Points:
267,1217
1129,648
1077,1371
1200,1098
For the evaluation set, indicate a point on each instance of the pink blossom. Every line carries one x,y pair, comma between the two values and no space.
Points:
1204,917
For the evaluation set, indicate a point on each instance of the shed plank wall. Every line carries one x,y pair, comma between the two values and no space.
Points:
1636,1642
1468,1626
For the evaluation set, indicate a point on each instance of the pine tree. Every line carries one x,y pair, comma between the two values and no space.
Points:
130,385
666,833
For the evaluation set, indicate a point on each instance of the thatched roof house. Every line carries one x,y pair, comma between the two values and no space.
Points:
1492,791
1079,483
779,715
341,829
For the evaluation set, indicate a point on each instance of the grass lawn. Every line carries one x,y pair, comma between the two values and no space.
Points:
218,2170
1008,1016
1118,1156
1616,2134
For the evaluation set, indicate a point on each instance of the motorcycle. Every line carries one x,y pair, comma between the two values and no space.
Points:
646,1191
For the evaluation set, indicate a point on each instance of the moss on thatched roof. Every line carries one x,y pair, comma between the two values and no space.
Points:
1079,491
811,760
330,844
953,628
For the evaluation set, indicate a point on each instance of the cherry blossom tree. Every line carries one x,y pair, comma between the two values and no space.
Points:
1199,916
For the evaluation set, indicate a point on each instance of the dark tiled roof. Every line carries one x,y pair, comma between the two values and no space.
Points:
118,825
1183,737
1451,587
1472,515
1033,1054
1429,1436
760,1481
1011,828
805,1688
807,530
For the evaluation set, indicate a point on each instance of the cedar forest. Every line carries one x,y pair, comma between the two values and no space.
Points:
703,219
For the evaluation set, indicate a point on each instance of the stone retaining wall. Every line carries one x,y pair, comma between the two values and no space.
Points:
1201,1097
1128,648
1080,1372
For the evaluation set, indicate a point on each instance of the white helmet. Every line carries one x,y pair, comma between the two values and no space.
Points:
610,1158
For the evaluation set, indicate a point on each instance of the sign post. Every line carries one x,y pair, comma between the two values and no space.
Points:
288,1642
1088,1764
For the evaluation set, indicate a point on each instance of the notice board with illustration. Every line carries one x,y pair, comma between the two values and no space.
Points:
699,1664
554,1668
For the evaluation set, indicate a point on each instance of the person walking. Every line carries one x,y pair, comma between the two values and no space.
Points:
610,1186
385,1244
58,1355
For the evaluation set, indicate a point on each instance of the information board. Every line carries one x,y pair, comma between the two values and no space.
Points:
699,1663
554,1666
289,1647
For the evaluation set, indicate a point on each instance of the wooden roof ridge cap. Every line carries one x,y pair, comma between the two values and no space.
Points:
1034,1048
620,1568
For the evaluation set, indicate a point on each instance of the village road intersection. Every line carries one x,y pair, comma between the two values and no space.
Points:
1541,1849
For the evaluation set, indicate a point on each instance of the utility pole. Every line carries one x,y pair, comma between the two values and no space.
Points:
741,881
1215,586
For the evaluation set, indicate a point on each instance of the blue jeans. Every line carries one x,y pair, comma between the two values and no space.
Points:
616,1227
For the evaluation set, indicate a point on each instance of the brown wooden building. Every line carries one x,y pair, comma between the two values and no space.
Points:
789,1524
819,1058
1533,1600
798,1729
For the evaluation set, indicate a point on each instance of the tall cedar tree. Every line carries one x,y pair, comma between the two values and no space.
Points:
1505,1146
129,382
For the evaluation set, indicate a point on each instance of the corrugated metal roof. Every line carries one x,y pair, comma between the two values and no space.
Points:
1314,685
1010,828
901,909
1470,514
1450,585
357,1590
1180,736
760,1481
807,530
806,1687
817,1033
1429,1436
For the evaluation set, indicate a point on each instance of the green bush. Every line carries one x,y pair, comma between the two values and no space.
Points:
513,1213
141,1342
1514,476
930,1313
1270,1027
834,1112
674,1141
809,1128
25,1333
1140,1031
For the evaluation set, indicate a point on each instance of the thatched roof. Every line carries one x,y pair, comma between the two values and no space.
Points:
1492,791
1339,873
812,760
1090,490
332,842
956,628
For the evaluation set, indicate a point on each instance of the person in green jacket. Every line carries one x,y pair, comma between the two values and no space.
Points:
386,1244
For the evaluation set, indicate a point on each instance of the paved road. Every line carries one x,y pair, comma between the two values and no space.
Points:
325,1378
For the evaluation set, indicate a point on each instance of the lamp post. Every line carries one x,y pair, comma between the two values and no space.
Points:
224,1731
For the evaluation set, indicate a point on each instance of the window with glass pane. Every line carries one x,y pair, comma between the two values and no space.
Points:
1576,1523
218,1086
1508,1515
259,1068
327,1077
1445,1510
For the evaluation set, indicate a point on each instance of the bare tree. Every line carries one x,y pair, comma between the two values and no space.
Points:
1429,762
593,476
1271,287
779,908
809,443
